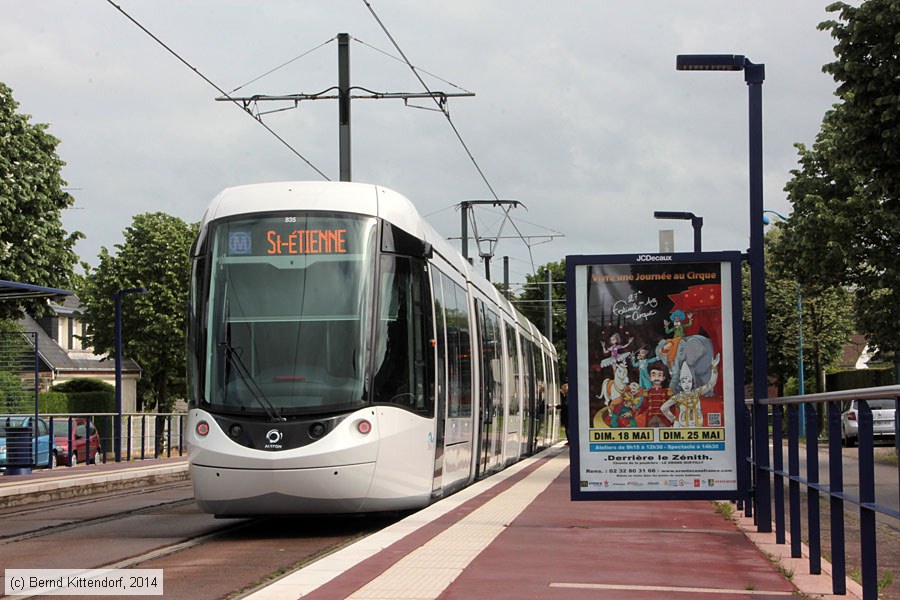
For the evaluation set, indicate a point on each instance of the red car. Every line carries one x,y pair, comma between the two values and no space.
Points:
80,454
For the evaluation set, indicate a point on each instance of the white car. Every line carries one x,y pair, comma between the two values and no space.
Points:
883,424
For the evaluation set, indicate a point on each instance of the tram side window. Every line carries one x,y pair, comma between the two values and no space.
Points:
513,370
491,356
459,355
540,379
440,342
196,331
528,372
400,351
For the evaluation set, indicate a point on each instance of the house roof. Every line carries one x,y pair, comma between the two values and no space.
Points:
13,290
73,361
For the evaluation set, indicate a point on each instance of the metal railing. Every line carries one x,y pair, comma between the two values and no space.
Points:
144,435
832,491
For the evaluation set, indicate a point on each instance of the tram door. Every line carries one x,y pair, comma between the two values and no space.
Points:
454,347
529,416
491,376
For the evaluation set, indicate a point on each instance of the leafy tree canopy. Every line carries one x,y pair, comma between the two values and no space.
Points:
846,193
532,302
154,255
825,313
34,248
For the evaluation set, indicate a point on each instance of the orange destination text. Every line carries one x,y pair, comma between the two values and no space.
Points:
307,241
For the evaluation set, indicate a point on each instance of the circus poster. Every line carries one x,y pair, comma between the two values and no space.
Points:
655,376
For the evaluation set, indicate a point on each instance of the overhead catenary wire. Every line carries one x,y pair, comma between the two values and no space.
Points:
446,113
284,64
436,101
391,56
219,89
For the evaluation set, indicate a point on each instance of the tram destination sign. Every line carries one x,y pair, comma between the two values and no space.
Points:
656,377
297,235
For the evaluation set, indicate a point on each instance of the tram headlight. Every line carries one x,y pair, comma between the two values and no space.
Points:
235,430
202,428
363,426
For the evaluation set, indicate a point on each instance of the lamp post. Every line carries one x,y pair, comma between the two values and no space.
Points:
118,332
800,369
754,75
696,222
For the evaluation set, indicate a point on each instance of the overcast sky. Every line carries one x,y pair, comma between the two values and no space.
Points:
579,113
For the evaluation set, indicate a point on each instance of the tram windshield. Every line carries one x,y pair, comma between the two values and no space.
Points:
286,322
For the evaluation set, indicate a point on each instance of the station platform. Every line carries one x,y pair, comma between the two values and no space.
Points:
514,535
64,482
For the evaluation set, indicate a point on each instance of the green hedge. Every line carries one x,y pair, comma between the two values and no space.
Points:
83,384
53,403
861,378
92,402
86,395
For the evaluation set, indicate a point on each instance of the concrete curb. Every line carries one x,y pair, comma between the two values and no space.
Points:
814,586
43,489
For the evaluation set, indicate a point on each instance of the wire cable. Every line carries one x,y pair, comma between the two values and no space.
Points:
220,90
427,89
391,56
452,126
270,71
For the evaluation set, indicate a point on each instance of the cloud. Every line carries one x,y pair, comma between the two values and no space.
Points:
579,112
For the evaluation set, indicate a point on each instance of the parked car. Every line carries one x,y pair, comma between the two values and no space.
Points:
883,423
46,454
79,441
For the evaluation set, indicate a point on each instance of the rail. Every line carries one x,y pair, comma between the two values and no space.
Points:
832,490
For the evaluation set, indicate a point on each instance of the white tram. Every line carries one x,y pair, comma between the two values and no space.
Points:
345,358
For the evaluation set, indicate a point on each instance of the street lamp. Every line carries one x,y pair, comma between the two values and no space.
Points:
118,299
754,75
696,222
799,334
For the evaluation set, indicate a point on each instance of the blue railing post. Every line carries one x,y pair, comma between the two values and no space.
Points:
128,444
812,492
778,466
868,555
794,484
836,503
143,435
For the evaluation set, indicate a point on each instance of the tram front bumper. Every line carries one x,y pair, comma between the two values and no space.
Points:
244,492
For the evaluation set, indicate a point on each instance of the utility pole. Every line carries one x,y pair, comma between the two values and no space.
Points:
344,95
344,104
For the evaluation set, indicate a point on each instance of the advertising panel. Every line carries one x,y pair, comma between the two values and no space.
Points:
656,376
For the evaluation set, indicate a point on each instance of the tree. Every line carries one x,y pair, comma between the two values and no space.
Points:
34,248
826,314
532,302
846,193
155,255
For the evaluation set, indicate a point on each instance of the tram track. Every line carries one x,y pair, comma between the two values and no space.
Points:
159,527
53,529
92,499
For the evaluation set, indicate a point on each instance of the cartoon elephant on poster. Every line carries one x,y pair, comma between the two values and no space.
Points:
694,350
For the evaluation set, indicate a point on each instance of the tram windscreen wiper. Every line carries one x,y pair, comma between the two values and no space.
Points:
235,359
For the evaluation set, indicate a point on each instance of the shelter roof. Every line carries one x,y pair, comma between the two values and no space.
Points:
13,290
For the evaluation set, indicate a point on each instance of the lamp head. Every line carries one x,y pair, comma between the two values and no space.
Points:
710,62
668,214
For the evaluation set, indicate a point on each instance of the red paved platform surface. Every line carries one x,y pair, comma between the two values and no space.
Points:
561,549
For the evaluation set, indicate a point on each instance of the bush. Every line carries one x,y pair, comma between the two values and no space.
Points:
862,378
92,402
53,403
83,384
